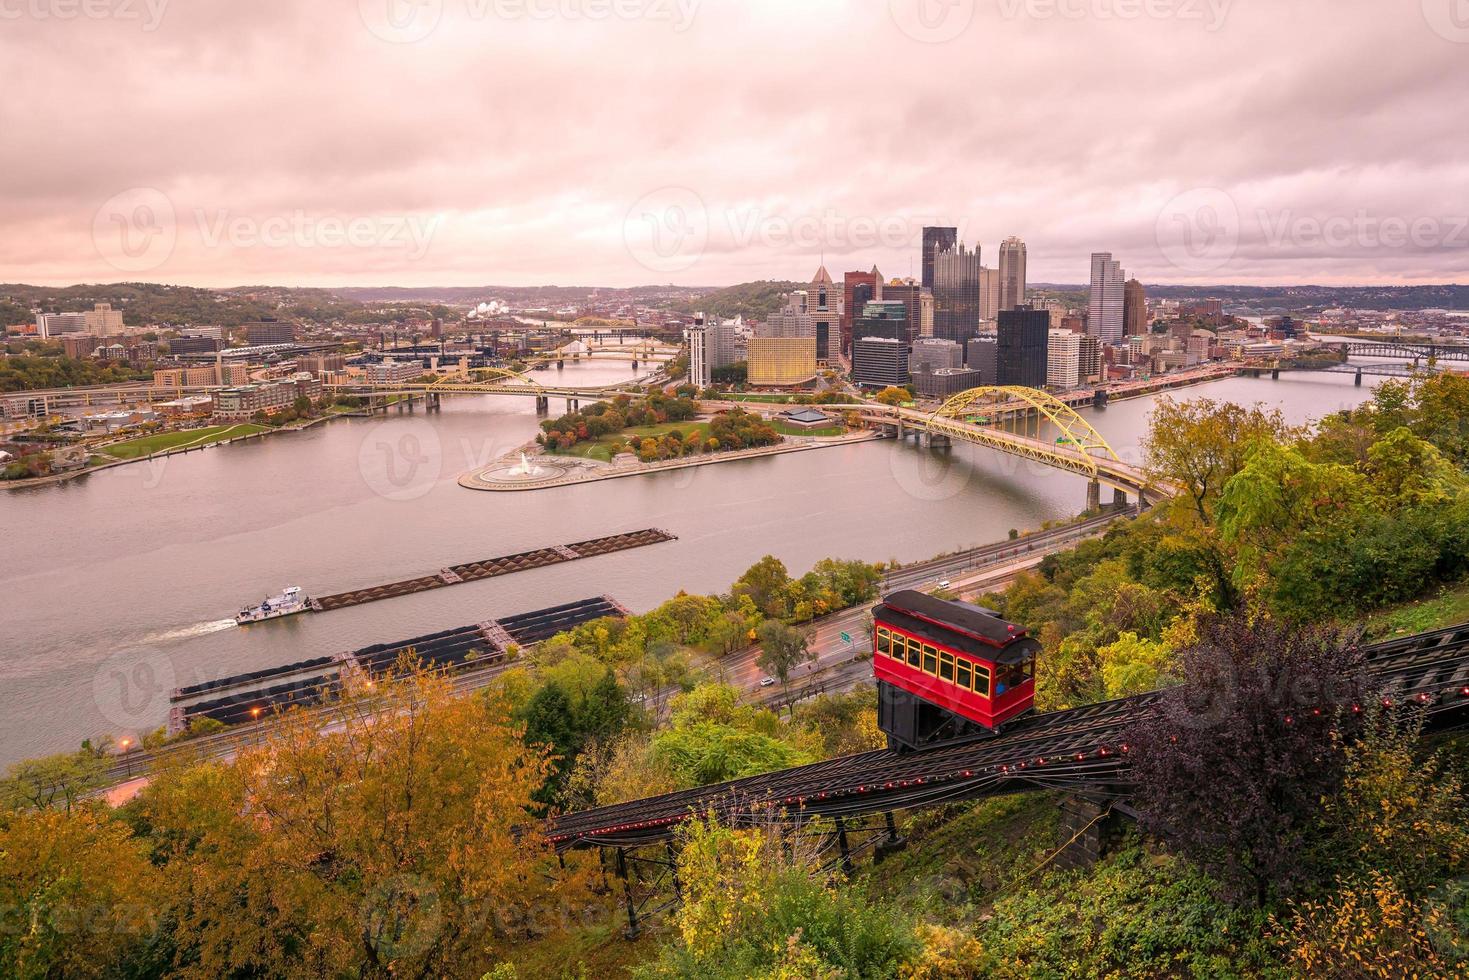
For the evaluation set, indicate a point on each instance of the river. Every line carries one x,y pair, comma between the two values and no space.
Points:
118,587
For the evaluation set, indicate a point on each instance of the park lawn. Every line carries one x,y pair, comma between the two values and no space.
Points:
786,429
739,396
601,447
134,448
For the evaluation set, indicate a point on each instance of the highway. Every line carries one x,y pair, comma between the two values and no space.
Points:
840,665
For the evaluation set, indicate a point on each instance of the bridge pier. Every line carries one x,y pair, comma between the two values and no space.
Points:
1093,497
1275,374
1358,381
572,405
635,365
560,364
543,405
937,440
1119,498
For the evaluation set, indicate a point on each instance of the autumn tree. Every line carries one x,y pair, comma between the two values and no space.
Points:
400,840
55,781
1231,766
782,649
1201,443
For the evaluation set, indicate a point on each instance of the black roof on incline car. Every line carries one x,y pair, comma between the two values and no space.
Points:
963,617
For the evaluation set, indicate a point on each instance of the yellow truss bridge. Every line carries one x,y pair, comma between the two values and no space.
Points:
1032,424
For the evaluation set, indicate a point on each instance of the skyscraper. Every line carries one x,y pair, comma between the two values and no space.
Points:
956,293
825,307
1134,309
911,294
1104,305
1012,273
936,239
698,352
1063,359
1021,358
858,288
989,293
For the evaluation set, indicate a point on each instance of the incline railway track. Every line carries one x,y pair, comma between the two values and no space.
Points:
1077,749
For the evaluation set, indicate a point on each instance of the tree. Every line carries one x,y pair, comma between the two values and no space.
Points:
54,781
894,396
782,649
401,841
767,583
79,897
1231,767
1200,444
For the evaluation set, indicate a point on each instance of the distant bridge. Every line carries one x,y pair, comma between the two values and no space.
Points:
1407,350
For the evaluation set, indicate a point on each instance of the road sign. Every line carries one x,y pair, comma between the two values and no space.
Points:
846,637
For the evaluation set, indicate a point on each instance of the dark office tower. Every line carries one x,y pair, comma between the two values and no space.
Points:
858,289
936,239
956,294
882,318
1023,347
910,294
1134,309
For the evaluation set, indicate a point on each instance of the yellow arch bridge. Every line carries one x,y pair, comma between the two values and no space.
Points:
1032,424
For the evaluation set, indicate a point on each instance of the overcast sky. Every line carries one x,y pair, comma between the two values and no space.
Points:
707,142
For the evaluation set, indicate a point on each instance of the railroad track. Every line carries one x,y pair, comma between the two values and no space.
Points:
1078,748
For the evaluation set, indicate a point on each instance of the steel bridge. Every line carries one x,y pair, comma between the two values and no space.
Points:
1032,424
487,381
1081,750
1408,350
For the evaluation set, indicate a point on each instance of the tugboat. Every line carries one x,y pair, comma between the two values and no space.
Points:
288,603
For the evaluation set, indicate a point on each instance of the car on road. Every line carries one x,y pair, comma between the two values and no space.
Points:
944,584
767,682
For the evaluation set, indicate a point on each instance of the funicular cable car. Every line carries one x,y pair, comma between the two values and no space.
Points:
947,671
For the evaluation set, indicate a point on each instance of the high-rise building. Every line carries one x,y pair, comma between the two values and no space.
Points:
989,293
1012,273
910,293
934,353
956,293
1091,358
791,320
723,343
56,324
824,304
858,288
1134,309
781,360
1063,359
270,332
698,337
1021,352
882,318
879,362
1104,306
983,353
935,240
103,320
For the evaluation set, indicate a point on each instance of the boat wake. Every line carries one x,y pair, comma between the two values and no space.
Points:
188,632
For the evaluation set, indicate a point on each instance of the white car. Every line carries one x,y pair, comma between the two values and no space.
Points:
944,584
768,682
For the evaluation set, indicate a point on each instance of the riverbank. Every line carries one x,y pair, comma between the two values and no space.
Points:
192,447
571,470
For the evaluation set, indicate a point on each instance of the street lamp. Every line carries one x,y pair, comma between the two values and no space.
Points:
127,763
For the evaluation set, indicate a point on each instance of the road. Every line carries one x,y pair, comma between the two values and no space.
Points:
839,665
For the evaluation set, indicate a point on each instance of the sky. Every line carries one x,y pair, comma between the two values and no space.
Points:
709,142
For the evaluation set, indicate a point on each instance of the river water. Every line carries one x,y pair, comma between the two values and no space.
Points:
118,587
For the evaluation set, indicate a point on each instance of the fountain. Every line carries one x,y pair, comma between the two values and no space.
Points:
526,467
